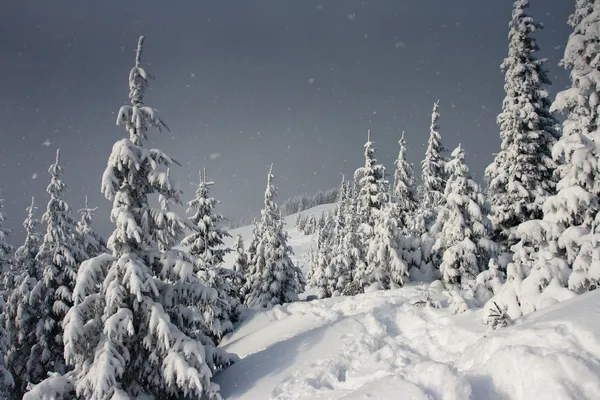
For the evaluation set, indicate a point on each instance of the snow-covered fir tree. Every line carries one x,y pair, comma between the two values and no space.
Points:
575,207
404,193
434,176
370,178
274,278
565,238
239,268
205,243
207,239
385,266
127,334
59,256
351,247
5,248
372,195
6,380
322,275
520,178
93,244
340,263
463,225
22,313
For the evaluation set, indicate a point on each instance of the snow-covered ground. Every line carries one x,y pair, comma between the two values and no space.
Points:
380,346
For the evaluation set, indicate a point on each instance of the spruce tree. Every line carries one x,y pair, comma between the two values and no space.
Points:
521,176
93,244
205,243
59,256
207,239
463,225
274,279
371,197
404,193
434,176
5,250
386,267
22,313
575,207
130,333
240,268
6,380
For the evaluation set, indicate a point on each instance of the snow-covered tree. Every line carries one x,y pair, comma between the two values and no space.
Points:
370,179
130,334
576,204
372,195
274,278
434,176
22,313
6,380
207,239
239,268
59,256
5,249
521,176
404,193
205,243
463,225
385,266
322,274
93,244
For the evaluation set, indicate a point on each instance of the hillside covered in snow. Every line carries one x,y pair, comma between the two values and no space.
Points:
381,346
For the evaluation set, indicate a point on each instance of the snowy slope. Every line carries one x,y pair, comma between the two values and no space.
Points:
379,346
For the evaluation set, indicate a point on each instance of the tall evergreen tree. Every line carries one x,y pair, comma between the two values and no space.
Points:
404,193
463,225
372,195
128,334
521,176
434,176
93,244
275,279
59,256
240,268
386,267
6,380
5,249
21,312
205,243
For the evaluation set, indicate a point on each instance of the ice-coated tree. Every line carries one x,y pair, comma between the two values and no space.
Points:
463,225
21,315
93,244
404,193
385,266
129,333
434,175
59,256
274,278
520,178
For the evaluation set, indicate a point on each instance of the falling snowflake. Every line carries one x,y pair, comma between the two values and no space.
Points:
47,143
214,156
351,17
400,44
311,81
34,176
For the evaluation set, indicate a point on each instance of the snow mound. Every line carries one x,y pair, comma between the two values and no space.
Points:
378,345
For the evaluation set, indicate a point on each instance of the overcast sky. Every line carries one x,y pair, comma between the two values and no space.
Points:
248,82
